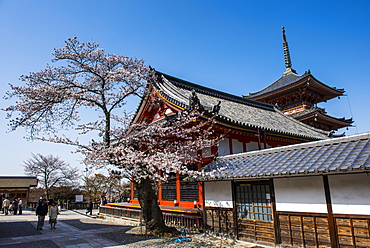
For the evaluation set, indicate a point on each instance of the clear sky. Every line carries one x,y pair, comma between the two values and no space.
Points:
232,46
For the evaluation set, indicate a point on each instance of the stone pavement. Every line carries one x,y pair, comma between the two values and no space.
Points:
73,230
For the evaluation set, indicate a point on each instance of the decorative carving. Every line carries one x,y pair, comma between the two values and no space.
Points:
194,102
216,108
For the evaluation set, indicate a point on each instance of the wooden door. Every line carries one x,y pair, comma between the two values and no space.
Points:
254,212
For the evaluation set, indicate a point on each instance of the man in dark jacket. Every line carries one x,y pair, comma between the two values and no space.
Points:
15,206
89,207
41,212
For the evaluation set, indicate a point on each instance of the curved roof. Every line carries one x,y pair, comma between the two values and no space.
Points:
339,155
289,79
316,110
238,111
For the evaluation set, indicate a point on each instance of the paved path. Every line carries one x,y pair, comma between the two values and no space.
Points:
72,230
77,230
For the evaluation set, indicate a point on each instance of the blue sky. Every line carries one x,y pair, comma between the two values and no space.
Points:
232,46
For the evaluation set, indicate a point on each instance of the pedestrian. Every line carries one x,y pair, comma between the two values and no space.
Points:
40,200
20,205
1,203
89,207
53,215
15,206
41,212
6,205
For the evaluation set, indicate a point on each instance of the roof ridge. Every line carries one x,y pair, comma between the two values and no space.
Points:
220,94
284,75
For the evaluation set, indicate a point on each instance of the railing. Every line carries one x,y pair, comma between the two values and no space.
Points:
190,222
67,205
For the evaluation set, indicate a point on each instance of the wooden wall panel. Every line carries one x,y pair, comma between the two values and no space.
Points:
220,221
256,231
303,230
353,231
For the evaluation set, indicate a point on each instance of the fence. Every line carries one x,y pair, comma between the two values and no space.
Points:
67,205
190,222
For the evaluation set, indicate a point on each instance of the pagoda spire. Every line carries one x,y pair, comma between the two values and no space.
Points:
288,62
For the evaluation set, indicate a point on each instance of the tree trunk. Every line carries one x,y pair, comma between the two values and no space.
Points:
152,214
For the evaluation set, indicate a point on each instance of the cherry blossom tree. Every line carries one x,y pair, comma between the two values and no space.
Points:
51,171
89,79
151,153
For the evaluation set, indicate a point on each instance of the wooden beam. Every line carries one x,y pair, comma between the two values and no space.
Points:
331,220
274,213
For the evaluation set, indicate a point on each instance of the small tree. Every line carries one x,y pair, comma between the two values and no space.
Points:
51,171
98,186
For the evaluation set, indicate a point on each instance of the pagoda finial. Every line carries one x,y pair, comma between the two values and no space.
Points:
288,62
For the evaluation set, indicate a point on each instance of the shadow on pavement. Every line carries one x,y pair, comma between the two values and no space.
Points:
17,229
121,237
90,224
34,244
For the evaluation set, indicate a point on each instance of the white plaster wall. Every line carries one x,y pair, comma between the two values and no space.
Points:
237,146
252,146
223,147
218,194
300,194
350,193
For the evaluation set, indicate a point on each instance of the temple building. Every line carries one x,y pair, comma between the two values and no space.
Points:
283,114
250,125
298,95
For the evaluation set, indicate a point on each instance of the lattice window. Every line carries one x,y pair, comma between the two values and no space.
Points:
253,201
169,190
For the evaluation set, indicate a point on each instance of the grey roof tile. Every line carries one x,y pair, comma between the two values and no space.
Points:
236,110
286,80
331,155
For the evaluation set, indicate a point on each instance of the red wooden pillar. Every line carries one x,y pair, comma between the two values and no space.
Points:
200,190
132,193
159,191
178,191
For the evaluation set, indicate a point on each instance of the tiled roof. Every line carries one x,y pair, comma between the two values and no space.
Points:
17,181
286,80
238,111
339,155
320,111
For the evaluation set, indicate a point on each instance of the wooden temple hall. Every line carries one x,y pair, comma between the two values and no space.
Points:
275,120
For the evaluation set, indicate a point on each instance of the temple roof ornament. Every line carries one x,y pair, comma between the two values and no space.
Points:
288,62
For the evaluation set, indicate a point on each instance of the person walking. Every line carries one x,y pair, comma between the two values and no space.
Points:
15,206
1,203
89,208
6,205
41,212
53,215
20,205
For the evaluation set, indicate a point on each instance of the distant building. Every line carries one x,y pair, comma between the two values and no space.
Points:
297,96
17,186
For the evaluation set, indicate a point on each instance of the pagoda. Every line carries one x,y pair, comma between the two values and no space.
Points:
298,95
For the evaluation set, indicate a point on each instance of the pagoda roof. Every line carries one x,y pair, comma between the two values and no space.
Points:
321,115
292,80
349,154
235,111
